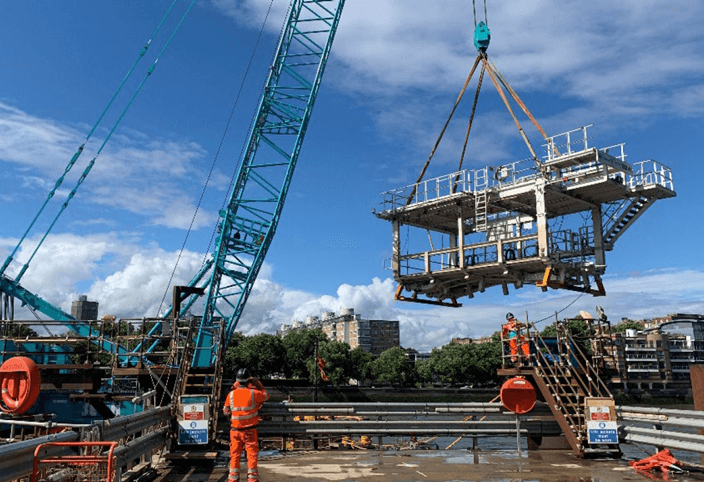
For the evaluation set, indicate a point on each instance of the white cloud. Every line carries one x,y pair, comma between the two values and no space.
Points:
138,289
148,177
602,62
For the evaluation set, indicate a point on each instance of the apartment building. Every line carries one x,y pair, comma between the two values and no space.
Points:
374,336
655,360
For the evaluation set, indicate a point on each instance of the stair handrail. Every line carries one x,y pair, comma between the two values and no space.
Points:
589,371
217,378
574,350
610,222
186,358
555,388
576,373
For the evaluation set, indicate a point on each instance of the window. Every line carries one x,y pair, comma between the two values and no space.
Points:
659,344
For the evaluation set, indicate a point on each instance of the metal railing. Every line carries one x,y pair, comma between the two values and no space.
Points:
135,342
566,247
651,173
662,427
139,434
562,144
464,181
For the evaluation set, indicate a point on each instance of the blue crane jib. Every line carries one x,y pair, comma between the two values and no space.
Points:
247,225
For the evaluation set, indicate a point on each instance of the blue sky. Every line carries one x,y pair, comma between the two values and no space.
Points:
633,68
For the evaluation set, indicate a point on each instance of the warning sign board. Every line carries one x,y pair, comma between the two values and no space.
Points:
194,412
600,409
601,420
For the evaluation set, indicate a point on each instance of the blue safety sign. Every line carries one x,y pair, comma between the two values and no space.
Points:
193,432
602,432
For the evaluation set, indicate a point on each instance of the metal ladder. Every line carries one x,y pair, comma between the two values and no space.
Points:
480,200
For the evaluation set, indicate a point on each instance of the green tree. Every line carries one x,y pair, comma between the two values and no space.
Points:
424,369
233,361
463,364
360,364
452,363
338,361
299,348
485,360
627,325
262,354
393,367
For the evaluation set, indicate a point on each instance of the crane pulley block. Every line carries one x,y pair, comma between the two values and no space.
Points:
482,36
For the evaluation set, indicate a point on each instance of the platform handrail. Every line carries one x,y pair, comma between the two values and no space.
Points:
651,173
555,144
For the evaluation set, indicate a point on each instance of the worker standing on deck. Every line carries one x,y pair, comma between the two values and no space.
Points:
242,406
512,330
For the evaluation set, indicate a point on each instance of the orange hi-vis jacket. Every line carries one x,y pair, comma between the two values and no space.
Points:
242,406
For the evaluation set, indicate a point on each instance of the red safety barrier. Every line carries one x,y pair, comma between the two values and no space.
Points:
20,383
518,395
663,460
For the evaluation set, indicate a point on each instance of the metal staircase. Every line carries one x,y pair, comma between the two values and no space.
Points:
623,217
566,378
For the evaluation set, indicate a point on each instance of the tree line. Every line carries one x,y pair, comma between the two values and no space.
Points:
293,357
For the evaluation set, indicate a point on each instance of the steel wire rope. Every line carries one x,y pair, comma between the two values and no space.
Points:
474,8
212,165
469,128
442,132
79,151
558,312
90,165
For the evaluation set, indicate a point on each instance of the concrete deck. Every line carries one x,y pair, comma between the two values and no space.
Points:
418,465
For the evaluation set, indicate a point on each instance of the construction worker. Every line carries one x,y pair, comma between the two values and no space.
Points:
242,406
512,329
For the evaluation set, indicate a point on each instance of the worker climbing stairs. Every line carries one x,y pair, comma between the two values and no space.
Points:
569,377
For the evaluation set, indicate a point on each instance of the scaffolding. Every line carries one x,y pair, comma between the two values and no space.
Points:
547,223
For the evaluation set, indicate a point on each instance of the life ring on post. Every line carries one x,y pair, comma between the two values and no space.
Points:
518,395
20,383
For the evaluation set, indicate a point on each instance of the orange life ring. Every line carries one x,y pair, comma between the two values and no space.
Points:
518,395
20,383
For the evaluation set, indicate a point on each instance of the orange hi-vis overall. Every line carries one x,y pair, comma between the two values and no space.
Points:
515,339
242,406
